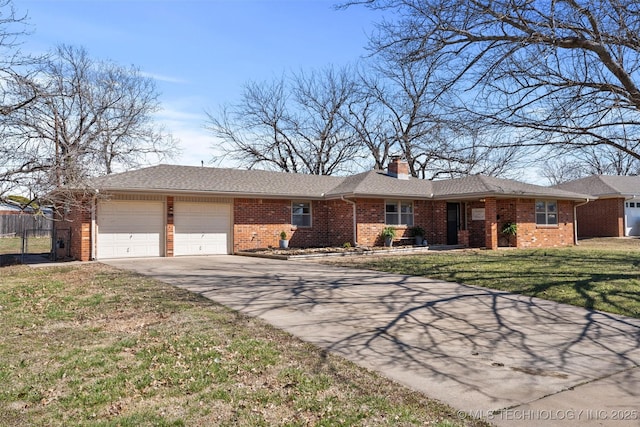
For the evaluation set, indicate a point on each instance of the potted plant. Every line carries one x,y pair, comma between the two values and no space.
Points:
419,233
509,229
284,242
388,233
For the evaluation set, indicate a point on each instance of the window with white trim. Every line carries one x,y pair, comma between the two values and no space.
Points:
546,212
398,212
301,214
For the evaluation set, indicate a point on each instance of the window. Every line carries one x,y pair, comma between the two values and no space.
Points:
398,212
546,212
301,214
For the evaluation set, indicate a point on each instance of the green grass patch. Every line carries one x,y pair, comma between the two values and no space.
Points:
36,245
94,346
606,279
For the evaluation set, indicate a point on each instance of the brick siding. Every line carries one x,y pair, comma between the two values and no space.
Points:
476,227
77,219
531,235
601,218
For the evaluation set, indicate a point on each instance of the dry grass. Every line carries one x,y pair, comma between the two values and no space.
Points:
92,345
611,243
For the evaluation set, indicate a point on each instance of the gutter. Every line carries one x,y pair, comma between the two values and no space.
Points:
575,221
355,223
221,194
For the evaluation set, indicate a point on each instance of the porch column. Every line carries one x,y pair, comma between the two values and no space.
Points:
490,223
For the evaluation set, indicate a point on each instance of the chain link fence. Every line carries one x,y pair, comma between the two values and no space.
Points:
24,235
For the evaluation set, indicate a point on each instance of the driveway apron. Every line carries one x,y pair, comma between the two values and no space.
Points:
511,359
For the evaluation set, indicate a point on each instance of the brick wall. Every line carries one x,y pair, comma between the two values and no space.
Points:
434,221
258,223
490,224
476,228
339,220
601,218
77,219
531,235
370,221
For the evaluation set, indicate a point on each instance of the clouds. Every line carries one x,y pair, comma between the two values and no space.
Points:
164,78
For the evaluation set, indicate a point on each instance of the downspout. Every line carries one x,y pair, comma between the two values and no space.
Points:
575,221
355,222
94,202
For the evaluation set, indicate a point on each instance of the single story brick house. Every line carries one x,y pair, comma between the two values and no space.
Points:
615,213
171,210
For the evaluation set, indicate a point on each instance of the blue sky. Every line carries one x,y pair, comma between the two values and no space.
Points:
201,52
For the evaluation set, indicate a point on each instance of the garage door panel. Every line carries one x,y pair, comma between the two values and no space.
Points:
201,228
130,229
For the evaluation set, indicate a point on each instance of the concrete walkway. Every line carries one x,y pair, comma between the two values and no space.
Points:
479,350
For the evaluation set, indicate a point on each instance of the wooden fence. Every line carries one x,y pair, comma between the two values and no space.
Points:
15,224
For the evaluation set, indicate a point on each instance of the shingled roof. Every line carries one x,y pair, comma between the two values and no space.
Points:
377,183
487,186
218,181
260,183
604,186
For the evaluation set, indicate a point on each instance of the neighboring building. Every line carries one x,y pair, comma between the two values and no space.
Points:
615,213
180,210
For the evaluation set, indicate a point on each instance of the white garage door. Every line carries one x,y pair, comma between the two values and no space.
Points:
632,218
129,229
201,228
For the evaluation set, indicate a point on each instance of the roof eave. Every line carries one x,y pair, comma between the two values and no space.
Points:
497,195
231,194
352,195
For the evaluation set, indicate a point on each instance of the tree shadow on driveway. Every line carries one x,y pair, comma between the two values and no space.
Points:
474,348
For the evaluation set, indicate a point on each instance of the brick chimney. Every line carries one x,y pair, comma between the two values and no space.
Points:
398,168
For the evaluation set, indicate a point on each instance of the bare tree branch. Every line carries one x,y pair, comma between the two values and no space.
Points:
554,73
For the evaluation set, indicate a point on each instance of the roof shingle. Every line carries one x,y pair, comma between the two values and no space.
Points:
260,183
604,185
487,186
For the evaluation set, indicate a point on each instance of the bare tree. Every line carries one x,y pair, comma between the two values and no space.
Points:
578,163
327,144
368,119
560,73
294,125
91,118
403,91
13,63
606,160
418,124
14,73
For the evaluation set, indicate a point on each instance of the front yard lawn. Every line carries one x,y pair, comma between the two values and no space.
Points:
95,346
603,274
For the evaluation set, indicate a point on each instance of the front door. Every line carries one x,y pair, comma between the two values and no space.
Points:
453,223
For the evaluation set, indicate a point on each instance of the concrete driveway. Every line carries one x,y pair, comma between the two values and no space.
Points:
479,350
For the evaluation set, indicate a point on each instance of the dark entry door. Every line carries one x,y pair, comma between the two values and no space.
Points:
453,223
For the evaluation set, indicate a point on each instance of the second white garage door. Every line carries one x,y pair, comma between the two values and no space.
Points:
201,228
